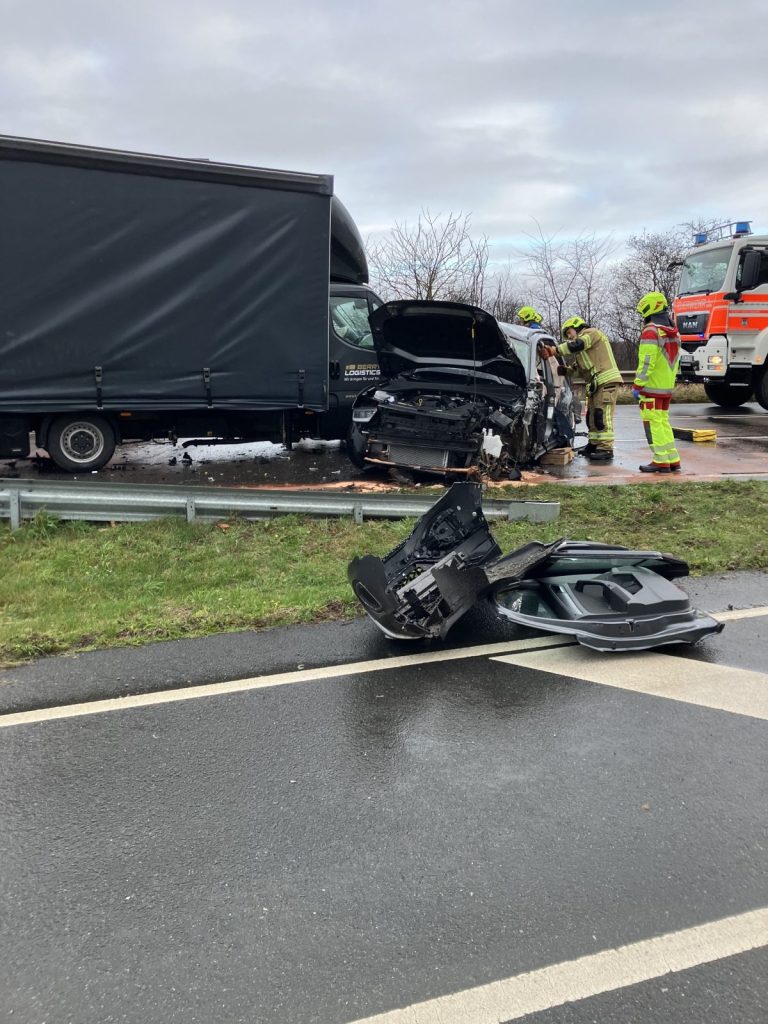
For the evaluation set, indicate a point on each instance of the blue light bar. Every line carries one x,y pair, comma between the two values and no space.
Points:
700,238
743,227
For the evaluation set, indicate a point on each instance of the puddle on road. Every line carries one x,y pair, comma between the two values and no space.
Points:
741,448
260,464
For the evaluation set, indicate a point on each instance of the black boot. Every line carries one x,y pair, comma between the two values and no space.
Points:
654,467
675,467
586,449
601,455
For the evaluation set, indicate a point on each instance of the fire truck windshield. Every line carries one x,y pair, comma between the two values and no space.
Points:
704,271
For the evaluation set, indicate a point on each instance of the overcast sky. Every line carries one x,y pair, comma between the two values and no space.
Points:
595,116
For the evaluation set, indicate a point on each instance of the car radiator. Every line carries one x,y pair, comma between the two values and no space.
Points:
417,455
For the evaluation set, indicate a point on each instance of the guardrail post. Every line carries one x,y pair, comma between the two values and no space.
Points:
357,512
14,501
191,512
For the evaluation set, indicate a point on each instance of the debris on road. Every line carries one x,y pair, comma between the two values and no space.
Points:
608,597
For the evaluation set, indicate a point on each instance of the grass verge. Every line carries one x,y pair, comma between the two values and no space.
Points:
75,586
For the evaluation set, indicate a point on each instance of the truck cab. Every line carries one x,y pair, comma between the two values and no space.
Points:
352,359
352,363
721,313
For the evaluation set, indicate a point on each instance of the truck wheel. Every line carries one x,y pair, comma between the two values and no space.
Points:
355,445
81,442
761,388
729,396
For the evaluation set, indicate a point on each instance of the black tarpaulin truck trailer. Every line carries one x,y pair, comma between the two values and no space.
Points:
142,296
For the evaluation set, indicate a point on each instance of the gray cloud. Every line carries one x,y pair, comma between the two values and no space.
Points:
592,116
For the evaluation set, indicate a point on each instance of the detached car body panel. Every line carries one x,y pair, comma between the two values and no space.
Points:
607,597
459,391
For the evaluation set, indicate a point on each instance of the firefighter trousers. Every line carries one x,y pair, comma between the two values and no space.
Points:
601,409
654,412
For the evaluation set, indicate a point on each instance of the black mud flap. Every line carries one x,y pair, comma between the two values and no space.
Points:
607,597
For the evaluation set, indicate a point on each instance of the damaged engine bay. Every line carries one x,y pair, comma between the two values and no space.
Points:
609,598
463,395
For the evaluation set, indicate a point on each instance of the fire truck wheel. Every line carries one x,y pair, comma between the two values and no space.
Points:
761,388
729,396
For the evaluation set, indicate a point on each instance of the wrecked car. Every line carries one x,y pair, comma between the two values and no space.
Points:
606,597
461,394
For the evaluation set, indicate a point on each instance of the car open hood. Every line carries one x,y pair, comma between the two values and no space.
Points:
606,597
412,334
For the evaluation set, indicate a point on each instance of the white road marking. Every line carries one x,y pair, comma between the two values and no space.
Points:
588,976
141,700
740,613
661,675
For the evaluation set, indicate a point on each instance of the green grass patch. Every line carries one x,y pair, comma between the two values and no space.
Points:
74,586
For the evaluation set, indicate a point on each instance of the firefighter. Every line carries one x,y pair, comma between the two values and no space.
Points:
657,365
528,317
587,351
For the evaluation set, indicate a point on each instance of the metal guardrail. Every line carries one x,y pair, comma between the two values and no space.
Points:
106,502
626,375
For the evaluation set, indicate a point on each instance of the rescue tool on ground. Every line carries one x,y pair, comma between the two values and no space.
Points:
608,597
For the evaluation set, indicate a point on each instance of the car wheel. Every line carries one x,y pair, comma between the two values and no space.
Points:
356,443
81,442
729,396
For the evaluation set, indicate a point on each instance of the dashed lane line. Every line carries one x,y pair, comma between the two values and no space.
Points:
142,700
737,690
740,613
494,651
573,980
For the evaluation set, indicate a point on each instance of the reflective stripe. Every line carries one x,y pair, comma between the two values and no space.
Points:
608,377
642,373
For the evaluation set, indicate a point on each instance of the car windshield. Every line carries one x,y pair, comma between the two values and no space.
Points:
521,348
349,316
704,271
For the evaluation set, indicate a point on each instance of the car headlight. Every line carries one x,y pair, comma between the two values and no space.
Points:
716,361
364,413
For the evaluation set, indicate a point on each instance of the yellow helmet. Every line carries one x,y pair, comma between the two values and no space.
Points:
653,302
573,321
528,315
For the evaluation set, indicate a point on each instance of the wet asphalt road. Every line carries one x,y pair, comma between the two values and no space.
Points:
343,846
742,449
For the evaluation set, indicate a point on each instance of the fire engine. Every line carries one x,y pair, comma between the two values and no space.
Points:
721,312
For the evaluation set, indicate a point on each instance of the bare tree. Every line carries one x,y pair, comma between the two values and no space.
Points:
503,294
652,264
567,277
437,258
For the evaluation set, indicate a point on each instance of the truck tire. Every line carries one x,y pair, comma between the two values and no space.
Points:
81,443
729,396
761,387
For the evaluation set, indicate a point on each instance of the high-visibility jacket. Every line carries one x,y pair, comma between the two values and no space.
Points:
591,352
658,359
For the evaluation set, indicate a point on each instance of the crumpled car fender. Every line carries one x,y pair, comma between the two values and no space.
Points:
607,597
